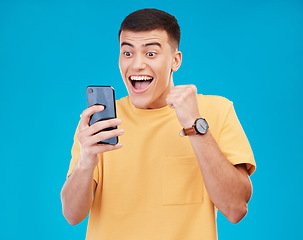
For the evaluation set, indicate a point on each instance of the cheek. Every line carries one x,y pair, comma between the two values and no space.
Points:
120,63
122,67
163,66
165,70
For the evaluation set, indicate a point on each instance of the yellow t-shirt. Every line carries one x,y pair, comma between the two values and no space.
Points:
152,188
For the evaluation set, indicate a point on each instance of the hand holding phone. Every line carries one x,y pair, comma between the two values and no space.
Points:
88,139
105,96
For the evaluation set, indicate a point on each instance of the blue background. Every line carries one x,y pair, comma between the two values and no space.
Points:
248,51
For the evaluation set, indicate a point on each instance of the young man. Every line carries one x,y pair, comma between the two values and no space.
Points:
159,185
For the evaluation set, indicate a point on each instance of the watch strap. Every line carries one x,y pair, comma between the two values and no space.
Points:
190,131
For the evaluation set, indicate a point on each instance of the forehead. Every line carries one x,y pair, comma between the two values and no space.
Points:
142,38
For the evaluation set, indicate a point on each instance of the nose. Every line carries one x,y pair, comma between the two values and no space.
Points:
138,62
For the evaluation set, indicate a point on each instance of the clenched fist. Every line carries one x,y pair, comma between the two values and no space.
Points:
183,99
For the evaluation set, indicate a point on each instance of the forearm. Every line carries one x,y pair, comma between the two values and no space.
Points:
77,194
228,187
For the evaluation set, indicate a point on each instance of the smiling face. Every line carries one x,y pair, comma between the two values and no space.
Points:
147,61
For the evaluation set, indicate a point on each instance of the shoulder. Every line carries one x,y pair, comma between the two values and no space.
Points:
214,103
213,99
215,109
122,102
122,106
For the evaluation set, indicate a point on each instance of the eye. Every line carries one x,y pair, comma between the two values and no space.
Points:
151,54
128,54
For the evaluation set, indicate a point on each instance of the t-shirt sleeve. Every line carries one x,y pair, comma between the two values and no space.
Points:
233,141
75,156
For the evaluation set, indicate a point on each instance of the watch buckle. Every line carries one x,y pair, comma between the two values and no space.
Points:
182,133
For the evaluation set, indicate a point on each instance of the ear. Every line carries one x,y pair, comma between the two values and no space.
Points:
177,60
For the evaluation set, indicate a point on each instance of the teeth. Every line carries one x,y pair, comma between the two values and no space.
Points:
140,78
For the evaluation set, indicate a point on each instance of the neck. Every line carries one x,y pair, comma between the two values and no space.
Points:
163,97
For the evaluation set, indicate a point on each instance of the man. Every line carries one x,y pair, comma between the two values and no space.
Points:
159,185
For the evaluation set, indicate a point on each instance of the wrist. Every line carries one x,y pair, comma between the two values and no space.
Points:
84,166
190,122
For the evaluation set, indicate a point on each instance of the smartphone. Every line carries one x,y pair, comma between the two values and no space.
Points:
102,95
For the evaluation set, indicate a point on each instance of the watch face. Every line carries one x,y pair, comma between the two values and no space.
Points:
201,126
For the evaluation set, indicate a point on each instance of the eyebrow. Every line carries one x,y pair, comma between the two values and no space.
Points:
153,43
145,45
126,44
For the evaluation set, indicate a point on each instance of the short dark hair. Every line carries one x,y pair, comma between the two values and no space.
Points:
149,19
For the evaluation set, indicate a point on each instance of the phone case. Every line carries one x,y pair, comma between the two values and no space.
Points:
102,95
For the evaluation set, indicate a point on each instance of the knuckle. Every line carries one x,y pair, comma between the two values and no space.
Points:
82,121
101,136
89,111
108,134
85,113
113,122
181,97
189,89
108,123
194,88
95,127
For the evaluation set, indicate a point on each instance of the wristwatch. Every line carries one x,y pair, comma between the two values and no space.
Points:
200,127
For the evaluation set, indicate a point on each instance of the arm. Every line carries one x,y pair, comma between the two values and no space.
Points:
228,186
78,190
77,194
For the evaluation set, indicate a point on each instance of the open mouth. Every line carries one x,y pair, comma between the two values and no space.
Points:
141,83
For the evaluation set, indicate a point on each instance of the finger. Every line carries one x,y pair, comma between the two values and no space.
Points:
175,99
181,93
192,86
101,136
178,89
169,101
98,126
86,114
184,89
85,135
101,148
